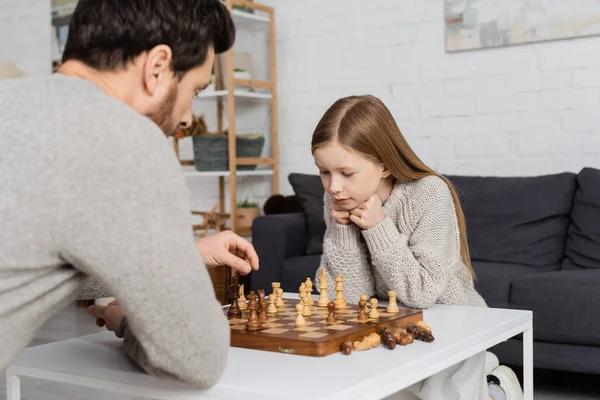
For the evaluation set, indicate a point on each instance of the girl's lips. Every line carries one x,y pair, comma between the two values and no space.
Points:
341,200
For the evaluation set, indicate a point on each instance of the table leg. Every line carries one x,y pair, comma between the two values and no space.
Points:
528,362
13,387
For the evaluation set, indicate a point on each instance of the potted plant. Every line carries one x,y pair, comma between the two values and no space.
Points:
246,212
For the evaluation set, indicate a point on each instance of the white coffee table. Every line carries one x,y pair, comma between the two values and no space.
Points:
97,361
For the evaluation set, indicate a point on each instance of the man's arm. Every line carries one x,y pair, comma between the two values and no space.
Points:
125,220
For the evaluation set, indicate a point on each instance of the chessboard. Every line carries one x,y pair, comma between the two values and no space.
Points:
318,335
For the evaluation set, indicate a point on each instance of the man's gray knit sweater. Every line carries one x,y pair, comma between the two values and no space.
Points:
90,188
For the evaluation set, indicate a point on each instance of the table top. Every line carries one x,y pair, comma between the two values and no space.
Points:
459,332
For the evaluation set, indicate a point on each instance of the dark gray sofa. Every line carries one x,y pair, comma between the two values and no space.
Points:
535,245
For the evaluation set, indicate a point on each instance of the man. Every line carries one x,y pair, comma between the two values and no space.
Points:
91,187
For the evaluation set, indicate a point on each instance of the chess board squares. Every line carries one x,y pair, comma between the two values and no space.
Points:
362,322
237,321
337,327
275,331
238,327
313,335
307,329
385,314
271,325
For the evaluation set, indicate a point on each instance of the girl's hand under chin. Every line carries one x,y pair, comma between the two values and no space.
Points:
369,213
339,215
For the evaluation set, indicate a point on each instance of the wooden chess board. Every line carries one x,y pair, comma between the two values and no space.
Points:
316,338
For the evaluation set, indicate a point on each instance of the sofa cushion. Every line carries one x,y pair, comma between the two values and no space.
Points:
521,220
583,241
309,189
565,305
493,280
295,270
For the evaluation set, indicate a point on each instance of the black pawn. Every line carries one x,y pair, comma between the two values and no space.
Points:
234,293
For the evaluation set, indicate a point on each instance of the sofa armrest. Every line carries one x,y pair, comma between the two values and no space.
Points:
275,238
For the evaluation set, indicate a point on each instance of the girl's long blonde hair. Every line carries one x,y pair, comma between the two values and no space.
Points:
364,124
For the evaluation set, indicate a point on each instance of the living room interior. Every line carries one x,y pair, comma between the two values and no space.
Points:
500,98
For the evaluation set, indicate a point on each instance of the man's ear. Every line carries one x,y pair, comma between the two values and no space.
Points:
157,69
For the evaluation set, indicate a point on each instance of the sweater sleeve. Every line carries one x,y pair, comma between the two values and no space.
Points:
416,266
125,222
345,253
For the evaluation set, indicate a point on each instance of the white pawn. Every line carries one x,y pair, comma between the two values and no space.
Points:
279,302
392,307
306,310
299,319
374,314
272,308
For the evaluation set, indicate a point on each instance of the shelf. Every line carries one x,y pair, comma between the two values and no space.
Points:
238,94
246,19
191,172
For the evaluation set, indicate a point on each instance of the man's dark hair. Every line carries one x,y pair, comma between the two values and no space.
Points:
107,34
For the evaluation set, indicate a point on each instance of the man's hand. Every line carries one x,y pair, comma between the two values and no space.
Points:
339,215
227,248
110,315
369,213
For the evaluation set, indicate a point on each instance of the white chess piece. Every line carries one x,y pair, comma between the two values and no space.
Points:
340,302
302,294
374,314
299,319
306,312
242,300
279,302
309,285
392,307
323,286
272,308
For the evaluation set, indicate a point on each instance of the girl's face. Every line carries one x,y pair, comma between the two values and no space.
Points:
348,176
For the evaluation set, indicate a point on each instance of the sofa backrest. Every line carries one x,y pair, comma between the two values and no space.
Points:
521,220
583,240
309,190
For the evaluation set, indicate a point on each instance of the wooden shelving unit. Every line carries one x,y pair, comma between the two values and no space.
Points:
226,99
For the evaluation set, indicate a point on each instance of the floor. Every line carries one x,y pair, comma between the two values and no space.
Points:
74,321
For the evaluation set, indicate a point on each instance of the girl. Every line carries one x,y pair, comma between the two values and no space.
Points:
393,224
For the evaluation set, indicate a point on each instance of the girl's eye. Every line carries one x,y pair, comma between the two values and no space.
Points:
348,174
323,172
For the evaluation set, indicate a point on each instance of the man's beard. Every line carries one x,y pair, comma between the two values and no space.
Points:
163,114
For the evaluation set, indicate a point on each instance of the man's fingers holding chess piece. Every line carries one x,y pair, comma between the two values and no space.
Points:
111,315
227,248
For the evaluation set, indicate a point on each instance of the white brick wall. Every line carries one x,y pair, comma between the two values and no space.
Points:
25,29
25,35
520,110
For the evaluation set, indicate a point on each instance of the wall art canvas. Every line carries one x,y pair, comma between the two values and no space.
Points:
477,24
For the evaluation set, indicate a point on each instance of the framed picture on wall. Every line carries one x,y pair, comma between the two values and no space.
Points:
478,24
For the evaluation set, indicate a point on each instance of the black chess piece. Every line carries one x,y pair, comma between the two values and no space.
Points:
331,317
362,313
234,293
253,323
419,333
262,306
